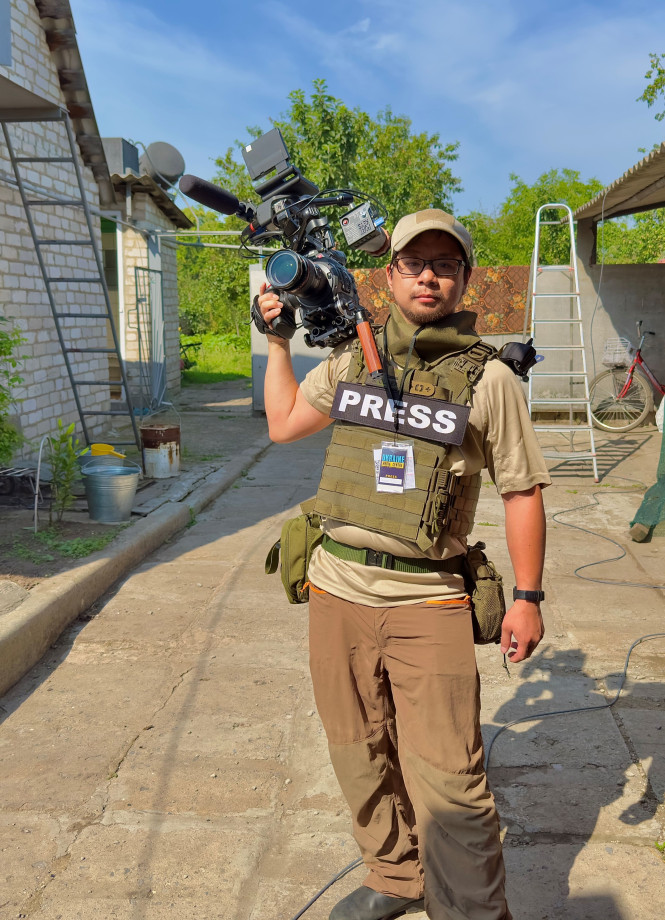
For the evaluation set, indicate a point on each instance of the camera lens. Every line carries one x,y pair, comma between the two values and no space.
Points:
289,271
285,269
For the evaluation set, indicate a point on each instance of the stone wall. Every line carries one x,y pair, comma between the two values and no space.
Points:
614,297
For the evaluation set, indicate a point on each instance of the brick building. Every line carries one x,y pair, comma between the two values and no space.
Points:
50,136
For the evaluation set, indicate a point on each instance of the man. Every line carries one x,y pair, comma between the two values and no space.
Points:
391,641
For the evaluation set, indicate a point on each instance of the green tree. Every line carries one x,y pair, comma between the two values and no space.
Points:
335,147
507,237
656,88
637,239
338,147
213,284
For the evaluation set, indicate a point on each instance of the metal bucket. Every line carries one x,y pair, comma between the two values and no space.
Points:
84,460
104,454
110,491
161,450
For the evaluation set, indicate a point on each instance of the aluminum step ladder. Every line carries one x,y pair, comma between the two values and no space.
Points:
556,316
60,281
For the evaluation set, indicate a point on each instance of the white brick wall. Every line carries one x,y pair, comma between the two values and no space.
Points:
135,249
29,53
46,394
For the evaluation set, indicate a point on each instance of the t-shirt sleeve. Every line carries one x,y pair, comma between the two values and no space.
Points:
512,452
320,384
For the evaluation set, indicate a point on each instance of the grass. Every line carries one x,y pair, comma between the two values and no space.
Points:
40,547
219,357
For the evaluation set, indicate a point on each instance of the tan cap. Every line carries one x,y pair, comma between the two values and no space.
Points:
411,226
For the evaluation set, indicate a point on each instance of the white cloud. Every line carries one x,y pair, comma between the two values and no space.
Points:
523,86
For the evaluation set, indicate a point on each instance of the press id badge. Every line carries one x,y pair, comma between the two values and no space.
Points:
394,467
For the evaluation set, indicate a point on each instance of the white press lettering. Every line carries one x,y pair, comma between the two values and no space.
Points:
447,420
419,416
372,404
349,398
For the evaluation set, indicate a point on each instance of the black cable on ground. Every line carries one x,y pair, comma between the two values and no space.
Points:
335,878
563,712
622,553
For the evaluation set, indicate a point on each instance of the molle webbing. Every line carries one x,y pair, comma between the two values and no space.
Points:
347,491
444,361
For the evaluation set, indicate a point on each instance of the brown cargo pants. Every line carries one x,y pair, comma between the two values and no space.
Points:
397,690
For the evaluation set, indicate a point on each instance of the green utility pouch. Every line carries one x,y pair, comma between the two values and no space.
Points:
484,586
300,536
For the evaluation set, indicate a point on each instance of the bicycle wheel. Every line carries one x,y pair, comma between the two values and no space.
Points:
613,413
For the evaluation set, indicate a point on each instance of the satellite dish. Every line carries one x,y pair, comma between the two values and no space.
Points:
163,163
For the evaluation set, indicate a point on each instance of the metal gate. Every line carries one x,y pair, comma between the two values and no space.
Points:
151,348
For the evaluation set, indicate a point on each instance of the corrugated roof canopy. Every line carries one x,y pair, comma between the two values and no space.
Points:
641,188
159,196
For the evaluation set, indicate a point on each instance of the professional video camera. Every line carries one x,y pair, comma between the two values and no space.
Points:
309,273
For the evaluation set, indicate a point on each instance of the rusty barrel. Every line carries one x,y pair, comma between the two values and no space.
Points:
161,450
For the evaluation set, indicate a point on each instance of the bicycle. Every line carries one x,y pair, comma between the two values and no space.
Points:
620,398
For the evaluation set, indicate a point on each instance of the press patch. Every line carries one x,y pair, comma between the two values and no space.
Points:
417,416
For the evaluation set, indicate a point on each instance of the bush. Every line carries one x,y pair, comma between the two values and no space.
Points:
10,438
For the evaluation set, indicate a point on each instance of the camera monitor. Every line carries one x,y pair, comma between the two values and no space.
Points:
266,153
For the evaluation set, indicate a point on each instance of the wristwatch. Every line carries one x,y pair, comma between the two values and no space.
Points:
534,596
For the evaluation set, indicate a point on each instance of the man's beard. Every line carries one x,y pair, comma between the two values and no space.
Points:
426,313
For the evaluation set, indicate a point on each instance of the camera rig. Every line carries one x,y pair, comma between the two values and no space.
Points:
309,273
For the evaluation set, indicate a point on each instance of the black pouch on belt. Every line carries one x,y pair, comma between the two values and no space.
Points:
484,586
300,535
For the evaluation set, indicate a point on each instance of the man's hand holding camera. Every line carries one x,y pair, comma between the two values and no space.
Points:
270,307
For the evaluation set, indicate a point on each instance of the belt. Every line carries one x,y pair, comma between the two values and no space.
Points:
454,565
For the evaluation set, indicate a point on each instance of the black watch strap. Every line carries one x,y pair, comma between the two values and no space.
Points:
534,596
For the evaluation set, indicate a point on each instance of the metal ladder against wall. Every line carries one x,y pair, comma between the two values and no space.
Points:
568,358
54,281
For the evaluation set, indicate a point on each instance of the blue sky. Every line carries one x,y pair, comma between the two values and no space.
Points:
523,85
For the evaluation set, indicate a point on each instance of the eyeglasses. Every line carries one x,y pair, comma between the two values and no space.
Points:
442,268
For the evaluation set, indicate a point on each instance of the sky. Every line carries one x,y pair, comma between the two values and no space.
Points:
523,86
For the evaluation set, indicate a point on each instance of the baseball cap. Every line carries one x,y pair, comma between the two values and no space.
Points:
411,226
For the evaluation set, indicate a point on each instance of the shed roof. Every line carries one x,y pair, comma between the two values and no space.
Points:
641,188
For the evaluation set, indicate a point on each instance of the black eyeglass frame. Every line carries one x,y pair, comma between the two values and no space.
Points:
430,262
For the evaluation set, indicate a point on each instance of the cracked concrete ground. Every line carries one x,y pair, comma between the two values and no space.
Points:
165,759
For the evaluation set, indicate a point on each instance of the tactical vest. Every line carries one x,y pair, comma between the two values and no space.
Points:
347,491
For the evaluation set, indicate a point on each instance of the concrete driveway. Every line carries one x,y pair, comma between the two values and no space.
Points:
165,759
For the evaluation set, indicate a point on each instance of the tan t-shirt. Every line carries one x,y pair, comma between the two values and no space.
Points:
499,436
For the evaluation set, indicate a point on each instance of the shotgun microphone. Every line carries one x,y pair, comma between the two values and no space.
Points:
212,196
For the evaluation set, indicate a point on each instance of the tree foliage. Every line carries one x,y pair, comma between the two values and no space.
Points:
213,284
10,340
507,237
638,239
338,147
656,88
335,147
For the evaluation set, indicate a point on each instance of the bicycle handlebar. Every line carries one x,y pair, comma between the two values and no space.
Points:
641,334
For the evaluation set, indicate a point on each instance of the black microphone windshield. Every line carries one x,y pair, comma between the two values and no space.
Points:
212,196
